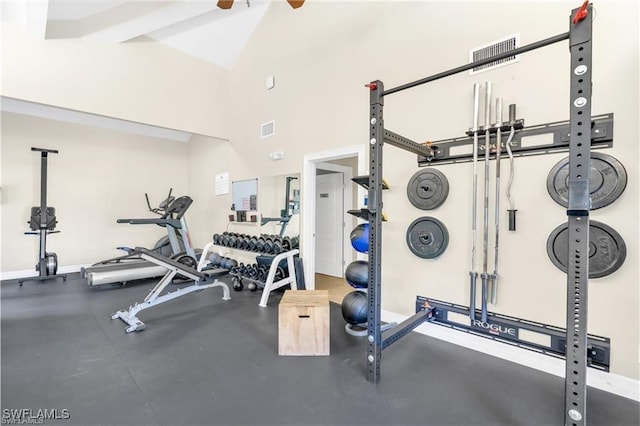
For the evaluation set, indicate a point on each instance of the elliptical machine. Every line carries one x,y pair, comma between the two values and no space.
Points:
43,222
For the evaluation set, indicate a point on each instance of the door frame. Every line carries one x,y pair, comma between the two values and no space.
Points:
308,208
347,200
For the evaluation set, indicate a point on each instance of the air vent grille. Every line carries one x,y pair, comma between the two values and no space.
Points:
267,129
505,44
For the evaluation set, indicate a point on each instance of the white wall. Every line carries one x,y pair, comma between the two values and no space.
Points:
322,56
140,81
98,176
207,157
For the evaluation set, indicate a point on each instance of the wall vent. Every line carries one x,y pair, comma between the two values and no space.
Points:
267,129
494,48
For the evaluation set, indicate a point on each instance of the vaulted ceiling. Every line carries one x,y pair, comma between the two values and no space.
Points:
196,27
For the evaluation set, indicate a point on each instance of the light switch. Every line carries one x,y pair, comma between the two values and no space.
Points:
270,82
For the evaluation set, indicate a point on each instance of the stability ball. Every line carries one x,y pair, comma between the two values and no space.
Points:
357,274
354,307
360,238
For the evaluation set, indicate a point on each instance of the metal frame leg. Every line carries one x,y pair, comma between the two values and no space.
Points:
269,285
154,298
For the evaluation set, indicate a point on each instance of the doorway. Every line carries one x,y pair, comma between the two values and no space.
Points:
333,199
310,198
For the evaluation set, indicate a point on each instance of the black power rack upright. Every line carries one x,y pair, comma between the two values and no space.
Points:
580,42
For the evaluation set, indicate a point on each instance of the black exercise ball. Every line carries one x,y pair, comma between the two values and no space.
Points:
357,274
360,238
354,307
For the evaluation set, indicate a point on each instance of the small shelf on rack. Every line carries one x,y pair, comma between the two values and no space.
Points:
363,181
364,214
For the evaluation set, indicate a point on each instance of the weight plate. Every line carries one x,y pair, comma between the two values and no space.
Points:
427,237
428,189
186,260
607,180
607,250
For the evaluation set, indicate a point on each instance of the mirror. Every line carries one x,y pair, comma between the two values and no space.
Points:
280,204
244,195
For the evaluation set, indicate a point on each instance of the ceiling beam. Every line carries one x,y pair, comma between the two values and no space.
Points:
153,21
34,109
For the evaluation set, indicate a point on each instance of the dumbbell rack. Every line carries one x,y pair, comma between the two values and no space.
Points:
270,284
277,243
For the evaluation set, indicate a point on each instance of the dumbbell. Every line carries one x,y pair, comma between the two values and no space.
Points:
277,245
239,240
253,271
244,243
253,241
240,269
216,239
263,271
286,244
237,283
241,243
295,242
260,244
268,243
273,244
235,270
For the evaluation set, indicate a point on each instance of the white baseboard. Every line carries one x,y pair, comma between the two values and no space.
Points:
608,382
12,275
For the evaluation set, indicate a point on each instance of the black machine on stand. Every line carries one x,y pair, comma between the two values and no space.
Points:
43,222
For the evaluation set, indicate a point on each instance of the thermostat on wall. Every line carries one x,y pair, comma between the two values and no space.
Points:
277,155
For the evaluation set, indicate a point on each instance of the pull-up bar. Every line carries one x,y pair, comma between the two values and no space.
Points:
523,49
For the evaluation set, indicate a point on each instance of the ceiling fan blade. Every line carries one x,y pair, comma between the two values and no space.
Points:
295,3
225,4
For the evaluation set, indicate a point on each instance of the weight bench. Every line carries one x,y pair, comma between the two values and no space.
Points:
201,282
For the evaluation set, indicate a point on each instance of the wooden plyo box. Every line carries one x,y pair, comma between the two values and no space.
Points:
303,323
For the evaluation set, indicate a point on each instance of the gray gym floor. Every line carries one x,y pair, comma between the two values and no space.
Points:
205,361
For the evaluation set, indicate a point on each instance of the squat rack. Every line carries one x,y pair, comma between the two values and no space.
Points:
580,43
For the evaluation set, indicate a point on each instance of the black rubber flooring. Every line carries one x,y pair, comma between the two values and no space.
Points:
205,361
